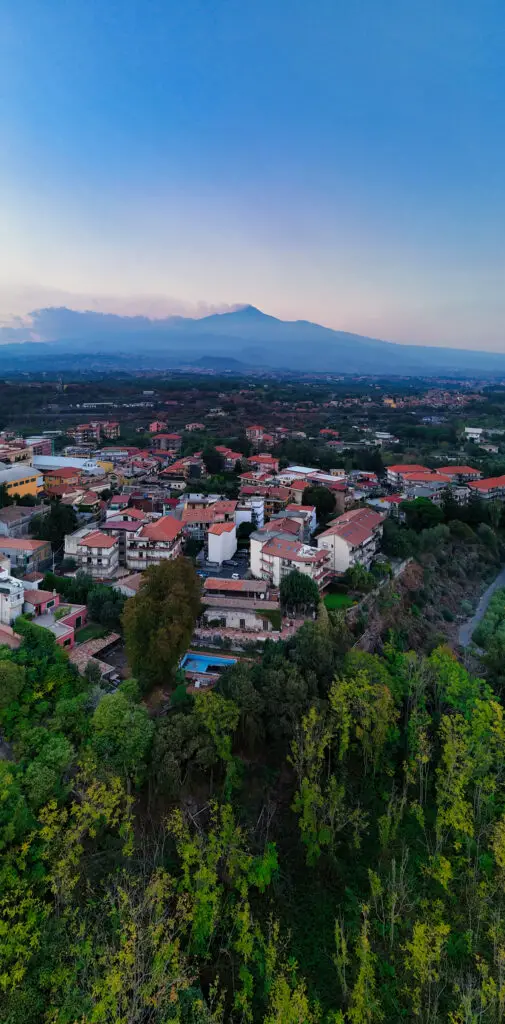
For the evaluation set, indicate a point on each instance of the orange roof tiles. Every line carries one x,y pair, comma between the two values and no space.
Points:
165,529
98,540
218,528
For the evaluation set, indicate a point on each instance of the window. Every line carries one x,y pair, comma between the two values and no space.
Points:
242,623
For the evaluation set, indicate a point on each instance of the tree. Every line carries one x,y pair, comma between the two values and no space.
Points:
421,514
244,531
60,520
12,680
299,592
122,734
323,499
159,621
5,498
213,461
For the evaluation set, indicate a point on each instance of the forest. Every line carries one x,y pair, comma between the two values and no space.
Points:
319,839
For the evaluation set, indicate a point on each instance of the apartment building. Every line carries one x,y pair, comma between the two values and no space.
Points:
275,554
11,598
154,543
353,538
395,474
222,542
98,555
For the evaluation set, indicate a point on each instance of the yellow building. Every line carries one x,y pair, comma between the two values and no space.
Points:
106,465
21,480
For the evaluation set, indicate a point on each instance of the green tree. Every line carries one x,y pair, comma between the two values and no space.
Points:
60,520
159,621
213,461
122,734
421,514
12,681
298,592
322,498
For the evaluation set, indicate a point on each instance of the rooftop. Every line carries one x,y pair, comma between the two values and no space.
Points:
98,540
22,544
218,528
165,529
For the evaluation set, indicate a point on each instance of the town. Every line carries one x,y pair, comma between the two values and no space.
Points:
281,493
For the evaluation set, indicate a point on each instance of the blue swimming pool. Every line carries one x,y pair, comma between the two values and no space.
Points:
205,662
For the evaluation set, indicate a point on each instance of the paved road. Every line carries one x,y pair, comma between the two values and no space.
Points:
466,629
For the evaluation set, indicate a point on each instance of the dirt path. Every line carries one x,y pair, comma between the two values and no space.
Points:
466,628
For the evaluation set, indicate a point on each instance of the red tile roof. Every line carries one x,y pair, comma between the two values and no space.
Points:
458,470
408,467
165,529
25,544
427,478
218,528
36,597
491,483
97,540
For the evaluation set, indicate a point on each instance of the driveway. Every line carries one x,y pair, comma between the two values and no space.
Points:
467,628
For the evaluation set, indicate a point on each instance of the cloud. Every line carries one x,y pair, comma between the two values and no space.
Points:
21,308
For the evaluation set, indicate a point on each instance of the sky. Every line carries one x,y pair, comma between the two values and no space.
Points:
341,161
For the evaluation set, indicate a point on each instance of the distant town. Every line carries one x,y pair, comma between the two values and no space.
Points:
253,481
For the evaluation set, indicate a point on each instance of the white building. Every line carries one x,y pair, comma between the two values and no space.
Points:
11,598
352,539
274,554
474,434
222,542
98,555
251,510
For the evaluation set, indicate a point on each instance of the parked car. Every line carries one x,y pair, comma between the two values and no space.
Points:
235,576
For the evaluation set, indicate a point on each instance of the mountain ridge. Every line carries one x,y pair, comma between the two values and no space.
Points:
246,335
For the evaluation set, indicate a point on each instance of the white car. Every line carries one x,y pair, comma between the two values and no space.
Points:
235,576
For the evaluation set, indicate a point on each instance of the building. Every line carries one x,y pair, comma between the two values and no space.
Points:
61,620
25,554
254,434
460,474
489,489
222,542
474,434
353,538
110,429
21,480
395,474
40,445
11,598
154,543
307,513
163,442
251,510
66,476
16,520
194,426
249,605
274,554
85,432
265,463
16,452
98,555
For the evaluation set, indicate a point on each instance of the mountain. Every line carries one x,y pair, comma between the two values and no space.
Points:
243,338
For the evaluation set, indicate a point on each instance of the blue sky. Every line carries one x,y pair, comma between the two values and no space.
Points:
342,162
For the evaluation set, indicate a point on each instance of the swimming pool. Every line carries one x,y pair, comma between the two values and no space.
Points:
205,662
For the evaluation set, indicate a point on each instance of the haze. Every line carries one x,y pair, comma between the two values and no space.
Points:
336,162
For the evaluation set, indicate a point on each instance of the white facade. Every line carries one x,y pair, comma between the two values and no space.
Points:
96,558
251,510
222,542
11,598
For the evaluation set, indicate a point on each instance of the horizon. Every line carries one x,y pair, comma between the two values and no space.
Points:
344,169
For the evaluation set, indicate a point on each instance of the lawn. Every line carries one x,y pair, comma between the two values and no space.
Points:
90,632
333,601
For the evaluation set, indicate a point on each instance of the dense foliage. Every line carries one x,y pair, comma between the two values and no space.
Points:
322,838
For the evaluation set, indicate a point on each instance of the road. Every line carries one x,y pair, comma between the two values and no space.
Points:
466,628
